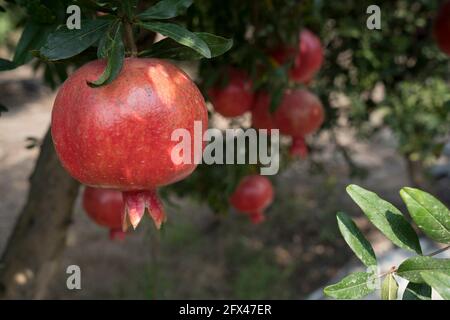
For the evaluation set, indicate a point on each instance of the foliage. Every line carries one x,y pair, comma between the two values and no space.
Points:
371,79
422,272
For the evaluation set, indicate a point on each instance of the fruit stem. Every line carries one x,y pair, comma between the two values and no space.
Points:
257,217
130,38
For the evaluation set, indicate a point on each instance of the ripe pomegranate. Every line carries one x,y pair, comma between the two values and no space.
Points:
307,59
252,196
300,113
441,28
106,208
235,98
118,136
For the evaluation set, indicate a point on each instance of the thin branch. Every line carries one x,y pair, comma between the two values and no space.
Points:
438,251
130,38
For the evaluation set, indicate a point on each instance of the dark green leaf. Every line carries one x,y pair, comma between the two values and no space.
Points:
165,9
430,215
3,109
439,281
6,65
129,7
32,38
169,49
116,55
417,291
65,43
356,240
354,286
180,35
411,268
389,288
2,9
386,217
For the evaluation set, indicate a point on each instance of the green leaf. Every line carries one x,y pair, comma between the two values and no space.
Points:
115,53
389,288
353,286
180,35
356,240
439,281
65,43
165,9
430,215
169,49
6,65
386,217
411,268
417,291
32,38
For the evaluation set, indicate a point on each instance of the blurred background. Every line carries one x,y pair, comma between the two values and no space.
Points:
386,98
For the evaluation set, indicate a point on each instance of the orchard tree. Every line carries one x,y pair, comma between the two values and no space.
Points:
265,53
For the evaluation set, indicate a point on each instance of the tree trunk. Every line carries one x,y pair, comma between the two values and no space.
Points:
39,236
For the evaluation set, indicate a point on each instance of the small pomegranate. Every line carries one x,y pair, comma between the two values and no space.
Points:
252,196
235,98
307,60
106,208
300,113
118,136
441,28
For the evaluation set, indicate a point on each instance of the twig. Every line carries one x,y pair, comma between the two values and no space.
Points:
438,251
130,38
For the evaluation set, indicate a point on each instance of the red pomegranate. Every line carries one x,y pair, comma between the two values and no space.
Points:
441,28
118,136
307,59
106,208
235,98
252,196
299,114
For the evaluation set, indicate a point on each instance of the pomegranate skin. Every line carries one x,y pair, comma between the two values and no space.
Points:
252,196
118,136
235,98
441,28
300,113
105,207
307,61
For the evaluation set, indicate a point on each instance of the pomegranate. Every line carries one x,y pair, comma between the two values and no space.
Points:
441,28
300,113
307,59
118,136
106,208
235,98
252,196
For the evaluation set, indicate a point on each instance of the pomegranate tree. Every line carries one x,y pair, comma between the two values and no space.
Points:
118,136
235,98
252,196
441,28
307,57
300,113
106,208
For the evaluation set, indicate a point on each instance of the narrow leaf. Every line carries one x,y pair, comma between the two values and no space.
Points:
33,37
354,286
180,35
165,9
356,240
169,49
389,288
430,215
6,65
386,217
417,291
411,268
439,281
3,109
116,56
64,43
